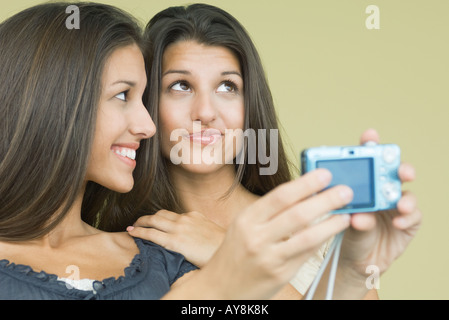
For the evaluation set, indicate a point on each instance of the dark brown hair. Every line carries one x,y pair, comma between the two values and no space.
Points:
50,84
212,26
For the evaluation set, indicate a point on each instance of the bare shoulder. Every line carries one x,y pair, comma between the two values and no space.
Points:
121,241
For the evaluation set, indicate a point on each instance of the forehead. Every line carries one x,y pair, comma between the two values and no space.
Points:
126,63
191,55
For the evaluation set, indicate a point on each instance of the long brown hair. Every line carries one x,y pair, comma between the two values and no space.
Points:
50,84
212,26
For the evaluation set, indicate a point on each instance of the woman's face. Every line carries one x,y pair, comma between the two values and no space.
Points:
122,121
201,98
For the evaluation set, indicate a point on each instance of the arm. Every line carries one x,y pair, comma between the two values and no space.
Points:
193,235
268,242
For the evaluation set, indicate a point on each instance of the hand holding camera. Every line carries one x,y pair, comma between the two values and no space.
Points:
391,229
383,223
275,235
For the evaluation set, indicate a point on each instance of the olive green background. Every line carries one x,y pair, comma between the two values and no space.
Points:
332,78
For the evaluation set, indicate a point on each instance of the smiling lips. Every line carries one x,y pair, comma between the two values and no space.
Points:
206,137
126,153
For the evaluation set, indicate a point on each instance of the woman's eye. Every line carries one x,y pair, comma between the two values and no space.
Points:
227,86
180,86
122,96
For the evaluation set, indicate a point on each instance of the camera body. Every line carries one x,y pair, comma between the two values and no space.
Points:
371,171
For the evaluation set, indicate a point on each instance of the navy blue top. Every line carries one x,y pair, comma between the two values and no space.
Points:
149,276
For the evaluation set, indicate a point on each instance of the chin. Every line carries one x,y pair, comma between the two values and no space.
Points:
202,168
122,187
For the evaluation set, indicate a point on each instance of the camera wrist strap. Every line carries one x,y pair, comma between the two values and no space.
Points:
334,251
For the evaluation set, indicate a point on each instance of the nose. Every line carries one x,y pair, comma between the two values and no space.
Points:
142,124
203,108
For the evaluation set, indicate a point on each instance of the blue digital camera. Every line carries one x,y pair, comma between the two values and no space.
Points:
371,171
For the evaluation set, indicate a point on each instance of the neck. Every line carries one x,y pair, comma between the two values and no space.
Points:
71,227
205,193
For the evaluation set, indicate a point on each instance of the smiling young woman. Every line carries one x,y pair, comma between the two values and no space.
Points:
48,121
72,127
113,157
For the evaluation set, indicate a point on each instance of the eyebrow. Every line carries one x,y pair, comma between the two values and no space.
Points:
176,71
129,83
231,72
224,73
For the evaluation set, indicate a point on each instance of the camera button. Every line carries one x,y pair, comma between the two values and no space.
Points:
370,143
389,155
390,192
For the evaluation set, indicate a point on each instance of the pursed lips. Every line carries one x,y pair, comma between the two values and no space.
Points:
205,137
